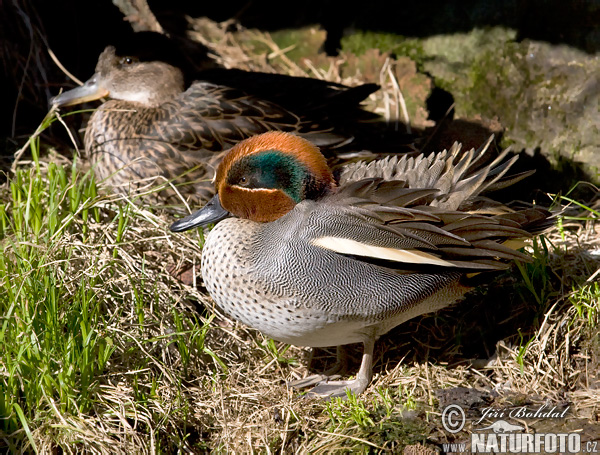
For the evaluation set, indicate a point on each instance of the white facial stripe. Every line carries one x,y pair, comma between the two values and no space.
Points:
349,246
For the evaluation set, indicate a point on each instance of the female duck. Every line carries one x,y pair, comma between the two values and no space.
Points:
152,131
312,262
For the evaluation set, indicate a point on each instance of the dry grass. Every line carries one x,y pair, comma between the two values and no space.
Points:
183,377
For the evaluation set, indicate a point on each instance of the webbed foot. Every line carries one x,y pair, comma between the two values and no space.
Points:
338,389
335,372
328,388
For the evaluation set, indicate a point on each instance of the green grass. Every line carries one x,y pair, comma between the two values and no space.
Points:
50,344
65,292
586,301
536,279
278,353
99,354
585,297
382,423
539,281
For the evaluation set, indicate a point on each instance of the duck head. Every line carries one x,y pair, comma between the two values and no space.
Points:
262,178
126,78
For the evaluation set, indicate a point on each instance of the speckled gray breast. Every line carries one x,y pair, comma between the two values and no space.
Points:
271,277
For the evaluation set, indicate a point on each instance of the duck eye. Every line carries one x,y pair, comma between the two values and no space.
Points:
126,60
243,181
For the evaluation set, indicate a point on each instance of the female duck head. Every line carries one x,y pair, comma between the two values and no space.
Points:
265,176
125,78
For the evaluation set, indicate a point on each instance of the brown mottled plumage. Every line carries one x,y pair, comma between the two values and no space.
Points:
153,131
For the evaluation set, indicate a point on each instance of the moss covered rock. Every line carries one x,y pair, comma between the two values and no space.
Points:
546,96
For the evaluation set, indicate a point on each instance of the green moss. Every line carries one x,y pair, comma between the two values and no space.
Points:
300,43
540,93
360,42
256,46
465,47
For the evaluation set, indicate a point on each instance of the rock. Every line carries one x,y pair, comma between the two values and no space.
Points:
546,96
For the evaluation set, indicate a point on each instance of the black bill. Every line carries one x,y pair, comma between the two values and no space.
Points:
212,212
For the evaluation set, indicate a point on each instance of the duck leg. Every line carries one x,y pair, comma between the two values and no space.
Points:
339,368
357,386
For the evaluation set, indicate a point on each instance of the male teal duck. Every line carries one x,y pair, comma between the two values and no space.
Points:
153,130
314,262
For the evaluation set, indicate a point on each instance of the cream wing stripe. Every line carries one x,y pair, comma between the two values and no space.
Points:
348,246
